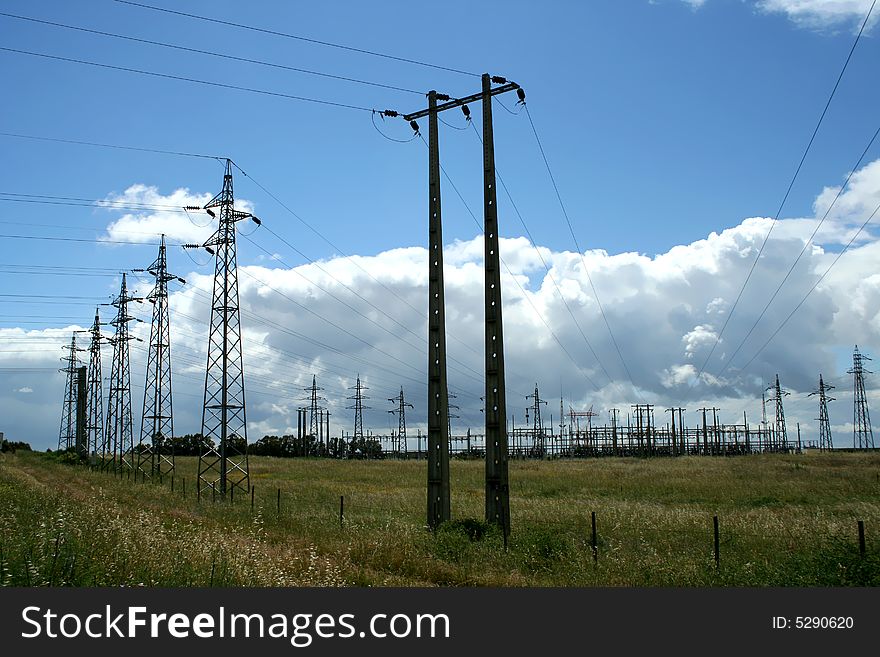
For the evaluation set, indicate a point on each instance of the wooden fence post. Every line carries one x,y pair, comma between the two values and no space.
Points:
717,545
594,543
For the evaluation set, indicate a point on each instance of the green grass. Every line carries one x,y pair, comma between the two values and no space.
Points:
785,520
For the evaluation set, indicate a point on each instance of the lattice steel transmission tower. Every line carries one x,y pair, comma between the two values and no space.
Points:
825,442
399,443
537,423
450,414
358,408
224,461
155,457
67,432
118,439
781,433
315,408
95,403
863,435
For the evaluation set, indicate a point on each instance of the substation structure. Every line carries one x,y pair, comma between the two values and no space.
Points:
610,440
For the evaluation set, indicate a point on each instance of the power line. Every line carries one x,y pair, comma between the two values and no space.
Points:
50,296
73,239
87,202
338,250
787,192
100,145
298,37
807,243
810,291
547,267
352,308
578,248
516,282
212,53
181,78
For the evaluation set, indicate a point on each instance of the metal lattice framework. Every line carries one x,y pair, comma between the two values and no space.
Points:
863,435
155,457
118,449
825,442
358,407
315,408
781,434
537,422
223,465
399,441
95,403
67,432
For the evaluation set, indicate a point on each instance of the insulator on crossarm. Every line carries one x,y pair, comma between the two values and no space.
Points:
208,210
191,207
497,79
390,113
414,126
209,250
521,94
466,111
256,221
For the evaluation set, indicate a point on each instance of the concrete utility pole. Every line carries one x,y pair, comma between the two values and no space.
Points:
497,489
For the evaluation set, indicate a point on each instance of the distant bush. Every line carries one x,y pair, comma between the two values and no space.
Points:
12,445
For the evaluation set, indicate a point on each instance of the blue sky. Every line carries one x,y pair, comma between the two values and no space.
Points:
663,122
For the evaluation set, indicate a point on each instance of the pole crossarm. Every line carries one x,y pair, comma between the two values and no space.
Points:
457,102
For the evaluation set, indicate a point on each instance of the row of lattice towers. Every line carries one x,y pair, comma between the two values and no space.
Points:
111,437
223,458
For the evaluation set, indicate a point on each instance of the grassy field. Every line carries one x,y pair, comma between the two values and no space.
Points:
785,520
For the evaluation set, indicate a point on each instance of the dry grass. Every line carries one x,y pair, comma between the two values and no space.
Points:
785,520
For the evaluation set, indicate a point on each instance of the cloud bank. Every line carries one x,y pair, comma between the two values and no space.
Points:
365,315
